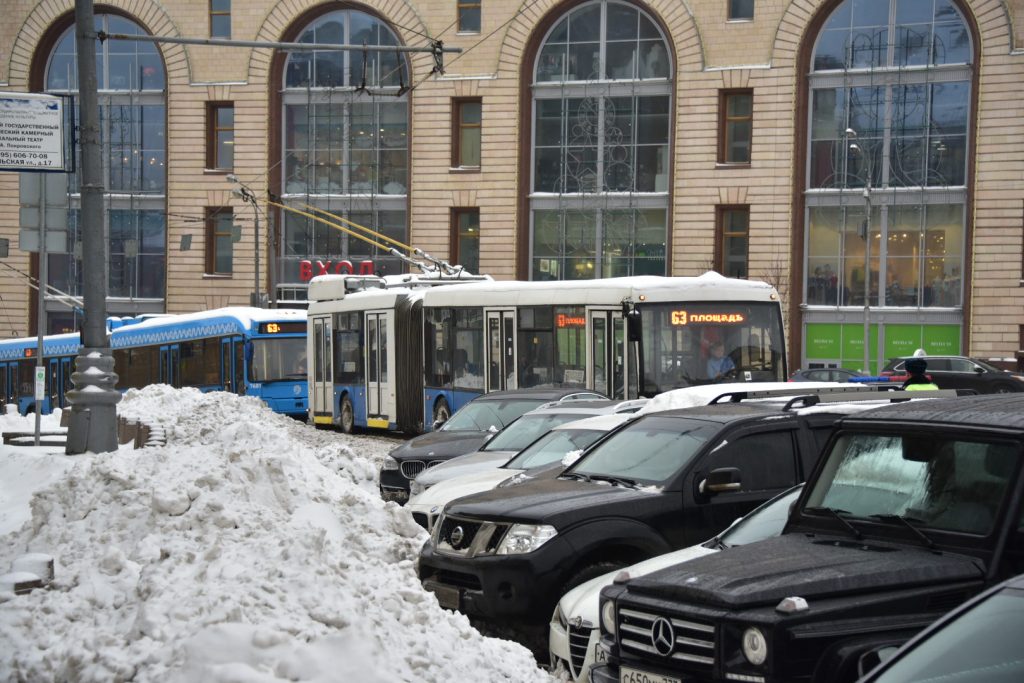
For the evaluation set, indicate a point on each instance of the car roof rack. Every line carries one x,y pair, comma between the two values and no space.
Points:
807,401
744,395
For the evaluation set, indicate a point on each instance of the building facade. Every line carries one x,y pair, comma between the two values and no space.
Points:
864,156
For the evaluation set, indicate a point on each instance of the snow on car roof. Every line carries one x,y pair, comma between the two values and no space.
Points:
690,397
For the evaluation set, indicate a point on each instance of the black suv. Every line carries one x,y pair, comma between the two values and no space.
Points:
663,481
913,509
464,432
960,372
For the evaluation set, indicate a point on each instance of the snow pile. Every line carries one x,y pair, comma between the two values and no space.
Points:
250,548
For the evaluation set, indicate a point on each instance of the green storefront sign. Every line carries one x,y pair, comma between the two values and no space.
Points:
843,343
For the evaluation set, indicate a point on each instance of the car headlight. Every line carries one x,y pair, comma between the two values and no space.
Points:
525,538
416,488
389,463
608,617
755,646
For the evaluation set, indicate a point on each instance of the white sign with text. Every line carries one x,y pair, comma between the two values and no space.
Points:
31,132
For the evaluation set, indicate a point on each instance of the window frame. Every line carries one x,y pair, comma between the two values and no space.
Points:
722,234
456,242
213,161
461,5
458,127
219,13
212,214
725,121
730,5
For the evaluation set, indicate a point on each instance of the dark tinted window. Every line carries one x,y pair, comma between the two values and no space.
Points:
765,459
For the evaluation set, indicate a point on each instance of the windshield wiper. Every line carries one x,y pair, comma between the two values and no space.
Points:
629,483
836,513
907,522
576,475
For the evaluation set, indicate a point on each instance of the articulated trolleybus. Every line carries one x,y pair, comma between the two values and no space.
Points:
243,350
623,337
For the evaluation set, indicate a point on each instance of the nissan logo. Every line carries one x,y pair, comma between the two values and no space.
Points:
663,636
456,536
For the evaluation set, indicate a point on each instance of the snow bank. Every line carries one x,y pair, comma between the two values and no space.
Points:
250,548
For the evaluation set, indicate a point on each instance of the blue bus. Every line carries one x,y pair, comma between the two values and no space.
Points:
251,351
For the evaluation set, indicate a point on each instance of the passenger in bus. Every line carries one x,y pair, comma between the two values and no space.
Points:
719,364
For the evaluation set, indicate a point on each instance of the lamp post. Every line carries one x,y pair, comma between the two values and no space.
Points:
856,149
249,197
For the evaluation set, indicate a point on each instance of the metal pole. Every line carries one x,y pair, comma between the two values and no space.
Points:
93,424
39,391
867,274
256,234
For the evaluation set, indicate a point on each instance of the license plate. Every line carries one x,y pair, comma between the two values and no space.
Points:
447,596
627,675
599,656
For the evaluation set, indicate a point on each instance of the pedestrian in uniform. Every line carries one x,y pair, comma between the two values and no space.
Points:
917,381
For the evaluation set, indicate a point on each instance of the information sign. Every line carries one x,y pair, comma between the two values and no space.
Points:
31,132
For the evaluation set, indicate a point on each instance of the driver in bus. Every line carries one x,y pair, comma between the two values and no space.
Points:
719,364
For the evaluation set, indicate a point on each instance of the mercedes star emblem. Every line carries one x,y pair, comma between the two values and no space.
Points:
663,637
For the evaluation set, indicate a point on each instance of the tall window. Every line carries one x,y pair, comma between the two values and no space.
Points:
466,238
733,240
890,94
469,16
220,135
736,111
601,130
220,18
344,131
740,10
467,116
133,116
220,239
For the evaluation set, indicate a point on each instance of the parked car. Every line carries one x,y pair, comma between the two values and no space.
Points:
978,641
960,372
543,457
516,436
573,635
464,432
825,375
913,509
660,482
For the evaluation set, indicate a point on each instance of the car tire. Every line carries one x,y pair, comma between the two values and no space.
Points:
346,415
590,571
1003,389
441,411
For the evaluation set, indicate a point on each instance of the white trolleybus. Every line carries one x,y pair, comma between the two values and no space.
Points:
446,345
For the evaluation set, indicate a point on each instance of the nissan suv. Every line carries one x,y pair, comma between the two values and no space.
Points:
913,509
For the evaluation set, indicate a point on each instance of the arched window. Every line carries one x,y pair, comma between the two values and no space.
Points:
602,103
131,83
345,151
890,100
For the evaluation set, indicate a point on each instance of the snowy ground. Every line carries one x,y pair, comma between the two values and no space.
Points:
251,548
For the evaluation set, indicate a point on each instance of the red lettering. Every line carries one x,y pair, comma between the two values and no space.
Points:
344,267
366,267
321,268
305,271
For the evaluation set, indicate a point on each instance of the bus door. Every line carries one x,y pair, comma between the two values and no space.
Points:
5,388
169,360
501,350
320,371
67,367
607,359
378,398
227,366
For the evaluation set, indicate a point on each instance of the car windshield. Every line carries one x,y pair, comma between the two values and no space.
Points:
941,483
277,359
552,447
525,430
982,644
762,523
649,451
480,416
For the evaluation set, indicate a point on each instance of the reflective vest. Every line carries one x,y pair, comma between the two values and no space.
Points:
921,387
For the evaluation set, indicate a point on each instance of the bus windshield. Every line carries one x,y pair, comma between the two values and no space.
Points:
688,343
278,359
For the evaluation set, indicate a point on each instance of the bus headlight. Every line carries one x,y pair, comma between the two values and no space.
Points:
389,463
608,617
755,646
525,538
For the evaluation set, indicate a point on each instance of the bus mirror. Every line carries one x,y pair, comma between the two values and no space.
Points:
634,328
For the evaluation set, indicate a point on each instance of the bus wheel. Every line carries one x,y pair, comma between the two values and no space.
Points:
348,416
441,412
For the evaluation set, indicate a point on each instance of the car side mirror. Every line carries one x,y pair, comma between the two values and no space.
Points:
436,424
979,371
722,480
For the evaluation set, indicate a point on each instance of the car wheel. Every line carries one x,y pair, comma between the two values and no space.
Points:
1004,389
348,416
441,412
591,571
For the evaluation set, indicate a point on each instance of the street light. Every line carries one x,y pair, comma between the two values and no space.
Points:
851,134
249,197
